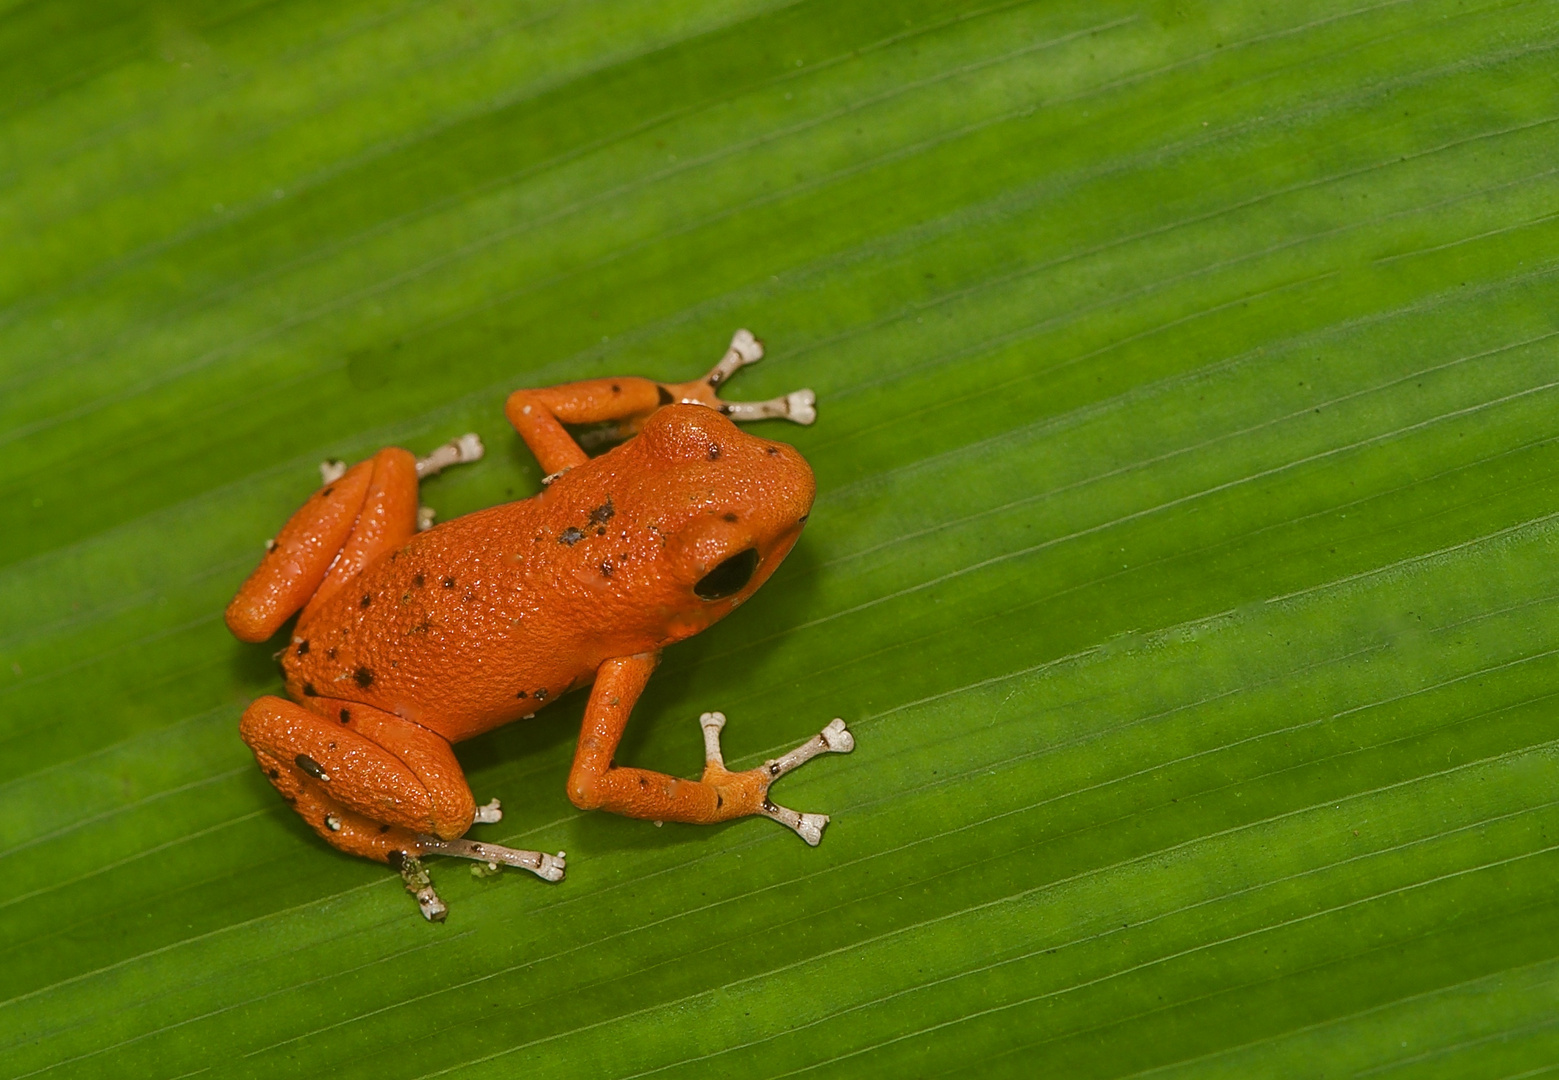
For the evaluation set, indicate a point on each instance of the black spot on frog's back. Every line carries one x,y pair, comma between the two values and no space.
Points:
364,677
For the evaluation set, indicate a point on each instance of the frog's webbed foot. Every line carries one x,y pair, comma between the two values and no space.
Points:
833,739
799,406
459,451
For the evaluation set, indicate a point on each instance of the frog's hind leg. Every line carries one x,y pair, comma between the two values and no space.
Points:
357,514
374,784
358,758
387,519
297,560
365,510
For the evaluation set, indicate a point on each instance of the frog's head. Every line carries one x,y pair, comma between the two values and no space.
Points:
728,507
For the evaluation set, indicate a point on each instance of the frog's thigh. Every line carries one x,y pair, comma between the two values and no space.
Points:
300,556
382,767
344,828
387,520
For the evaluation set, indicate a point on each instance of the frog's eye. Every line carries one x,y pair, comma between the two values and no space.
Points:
730,577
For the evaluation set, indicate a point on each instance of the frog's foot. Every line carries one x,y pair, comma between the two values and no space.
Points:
461,451
799,406
743,350
547,867
489,813
833,739
467,448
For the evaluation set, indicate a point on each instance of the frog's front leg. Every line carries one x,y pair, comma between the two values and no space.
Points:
720,795
799,406
539,415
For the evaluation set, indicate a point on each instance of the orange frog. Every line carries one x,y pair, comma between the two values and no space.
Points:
410,641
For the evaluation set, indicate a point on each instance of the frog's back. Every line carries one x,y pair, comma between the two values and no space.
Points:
484,618
454,631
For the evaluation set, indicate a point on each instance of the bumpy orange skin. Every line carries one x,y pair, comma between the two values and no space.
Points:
410,642
483,619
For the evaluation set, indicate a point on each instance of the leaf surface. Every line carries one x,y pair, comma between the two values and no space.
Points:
1183,560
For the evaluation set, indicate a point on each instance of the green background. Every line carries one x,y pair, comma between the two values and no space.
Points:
1184,557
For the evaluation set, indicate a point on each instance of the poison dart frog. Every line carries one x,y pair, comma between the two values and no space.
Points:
413,637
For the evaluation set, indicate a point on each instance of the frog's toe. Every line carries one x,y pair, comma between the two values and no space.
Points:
801,406
807,826
547,867
833,739
458,451
798,406
489,814
744,349
746,346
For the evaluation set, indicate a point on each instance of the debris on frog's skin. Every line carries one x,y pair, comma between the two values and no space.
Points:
331,470
492,869
425,516
419,885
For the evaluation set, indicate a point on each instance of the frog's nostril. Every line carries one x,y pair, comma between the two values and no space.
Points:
730,577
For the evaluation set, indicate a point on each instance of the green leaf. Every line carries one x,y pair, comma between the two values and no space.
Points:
1184,557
